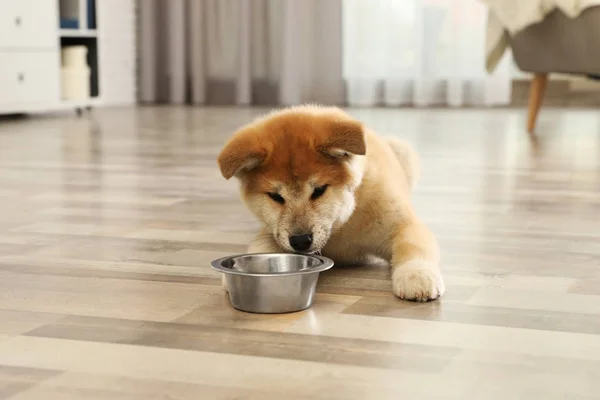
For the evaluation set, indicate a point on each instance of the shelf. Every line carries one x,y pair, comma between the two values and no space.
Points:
78,33
92,101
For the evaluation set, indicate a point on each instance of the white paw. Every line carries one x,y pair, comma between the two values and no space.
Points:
417,280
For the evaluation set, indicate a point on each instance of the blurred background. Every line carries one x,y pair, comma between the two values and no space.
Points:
391,53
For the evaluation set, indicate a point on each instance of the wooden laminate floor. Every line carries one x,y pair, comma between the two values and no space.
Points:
109,222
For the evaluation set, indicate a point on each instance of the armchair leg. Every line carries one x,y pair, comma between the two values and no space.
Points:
536,95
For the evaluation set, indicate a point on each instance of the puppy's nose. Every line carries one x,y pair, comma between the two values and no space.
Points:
301,242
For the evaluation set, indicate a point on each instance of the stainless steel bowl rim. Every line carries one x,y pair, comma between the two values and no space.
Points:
326,264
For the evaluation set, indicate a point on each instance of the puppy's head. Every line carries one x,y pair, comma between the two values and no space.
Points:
298,170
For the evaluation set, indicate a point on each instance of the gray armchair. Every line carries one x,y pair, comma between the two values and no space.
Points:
558,44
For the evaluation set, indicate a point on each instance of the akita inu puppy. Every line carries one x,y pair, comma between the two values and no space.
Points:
322,182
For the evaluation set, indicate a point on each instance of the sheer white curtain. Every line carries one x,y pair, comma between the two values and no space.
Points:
419,52
356,52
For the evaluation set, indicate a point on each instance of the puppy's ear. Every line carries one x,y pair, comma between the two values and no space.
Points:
344,137
242,152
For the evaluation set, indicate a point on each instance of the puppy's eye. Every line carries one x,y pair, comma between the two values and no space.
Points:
318,192
276,197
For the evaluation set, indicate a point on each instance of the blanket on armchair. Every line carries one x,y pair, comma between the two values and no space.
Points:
508,17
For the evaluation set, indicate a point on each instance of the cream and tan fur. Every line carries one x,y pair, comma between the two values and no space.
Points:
365,210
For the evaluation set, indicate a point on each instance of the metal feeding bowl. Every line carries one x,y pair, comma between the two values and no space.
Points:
271,283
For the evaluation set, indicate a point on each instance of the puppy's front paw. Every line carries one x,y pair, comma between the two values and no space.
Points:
417,280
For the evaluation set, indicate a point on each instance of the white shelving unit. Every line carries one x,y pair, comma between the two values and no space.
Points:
87,33
78,27
32,33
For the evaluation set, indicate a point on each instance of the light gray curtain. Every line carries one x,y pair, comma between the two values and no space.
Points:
240,52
